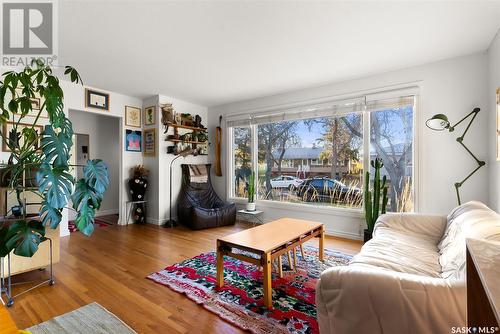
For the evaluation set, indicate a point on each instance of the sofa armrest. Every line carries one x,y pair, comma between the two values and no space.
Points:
366,299
431,225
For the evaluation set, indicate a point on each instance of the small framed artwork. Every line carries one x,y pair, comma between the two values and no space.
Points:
498,124
36,104
96,100
16,138
133,116
149,142
133,140
149,115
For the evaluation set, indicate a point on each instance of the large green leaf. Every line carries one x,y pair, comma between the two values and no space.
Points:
4,250
96,174
56,184
85,194
85,219
25,236
56,146
50,216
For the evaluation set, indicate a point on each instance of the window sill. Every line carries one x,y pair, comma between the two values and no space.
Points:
335,211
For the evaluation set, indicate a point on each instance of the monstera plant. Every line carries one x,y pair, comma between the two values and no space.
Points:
44,152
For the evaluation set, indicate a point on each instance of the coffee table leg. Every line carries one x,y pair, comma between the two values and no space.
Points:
321,244
268,290
220,266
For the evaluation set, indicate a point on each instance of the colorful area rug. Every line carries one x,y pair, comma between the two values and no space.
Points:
97,223
240,300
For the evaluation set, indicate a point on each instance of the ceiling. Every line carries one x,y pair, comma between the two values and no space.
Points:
218,52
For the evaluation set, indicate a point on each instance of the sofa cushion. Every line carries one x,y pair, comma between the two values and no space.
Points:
399,250
469,220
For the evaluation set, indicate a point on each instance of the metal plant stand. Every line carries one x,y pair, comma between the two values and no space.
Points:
6,281
129,206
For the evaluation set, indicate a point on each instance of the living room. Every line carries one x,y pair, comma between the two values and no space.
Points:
258,166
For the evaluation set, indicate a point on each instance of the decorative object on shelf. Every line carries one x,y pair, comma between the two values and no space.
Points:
133,140
150,115
55,185
373,198
218,148
187,119
171,222
498,124
96,100
150,142
14,135
251,193
133,116
439,122
137,185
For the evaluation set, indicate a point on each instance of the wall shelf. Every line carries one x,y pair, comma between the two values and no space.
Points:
180,126
186,141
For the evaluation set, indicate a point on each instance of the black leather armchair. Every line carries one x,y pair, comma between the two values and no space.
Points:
198,205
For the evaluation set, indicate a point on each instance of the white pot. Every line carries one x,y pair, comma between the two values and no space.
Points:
250,206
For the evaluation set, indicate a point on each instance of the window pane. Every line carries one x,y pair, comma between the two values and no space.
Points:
242,160
391,139
311,152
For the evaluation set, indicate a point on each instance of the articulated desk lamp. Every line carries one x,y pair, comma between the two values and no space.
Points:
440,122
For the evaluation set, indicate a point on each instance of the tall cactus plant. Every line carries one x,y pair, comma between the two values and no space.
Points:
251,188
375,196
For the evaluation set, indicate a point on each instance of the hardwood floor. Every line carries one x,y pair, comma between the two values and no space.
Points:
110,268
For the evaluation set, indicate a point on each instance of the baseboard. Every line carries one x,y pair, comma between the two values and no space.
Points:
155,221
346,235
106,212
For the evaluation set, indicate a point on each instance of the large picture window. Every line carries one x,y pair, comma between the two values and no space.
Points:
318,157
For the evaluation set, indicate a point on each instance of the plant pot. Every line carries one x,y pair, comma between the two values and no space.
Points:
250,206
367,235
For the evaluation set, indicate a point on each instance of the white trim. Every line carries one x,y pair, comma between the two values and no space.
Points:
245,114
101,213
330,210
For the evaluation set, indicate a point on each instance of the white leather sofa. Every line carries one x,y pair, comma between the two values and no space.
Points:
410,278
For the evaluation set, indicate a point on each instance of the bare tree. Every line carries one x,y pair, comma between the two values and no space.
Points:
274,138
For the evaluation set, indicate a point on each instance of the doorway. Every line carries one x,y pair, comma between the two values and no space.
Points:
97,136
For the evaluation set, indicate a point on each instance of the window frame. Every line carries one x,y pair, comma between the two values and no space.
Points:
398,91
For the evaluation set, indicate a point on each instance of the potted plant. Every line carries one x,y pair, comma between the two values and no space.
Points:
251,193
47,151
373,198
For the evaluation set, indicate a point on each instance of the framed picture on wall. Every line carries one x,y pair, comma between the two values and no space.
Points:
133,140
36,104
96,100
133,116
16,138
149,142
498,124
149,115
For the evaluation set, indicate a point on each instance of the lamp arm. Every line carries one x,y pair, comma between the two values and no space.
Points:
460,140
473,112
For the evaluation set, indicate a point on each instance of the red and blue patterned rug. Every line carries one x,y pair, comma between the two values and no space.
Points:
240,300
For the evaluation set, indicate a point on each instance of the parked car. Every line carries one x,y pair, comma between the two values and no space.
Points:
285,181
323,189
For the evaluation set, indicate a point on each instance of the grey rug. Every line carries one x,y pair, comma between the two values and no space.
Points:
91,318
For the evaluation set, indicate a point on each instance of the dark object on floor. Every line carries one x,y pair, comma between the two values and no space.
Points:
367,235
198,205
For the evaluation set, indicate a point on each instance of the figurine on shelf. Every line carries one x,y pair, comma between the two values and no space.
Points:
137,189
197,121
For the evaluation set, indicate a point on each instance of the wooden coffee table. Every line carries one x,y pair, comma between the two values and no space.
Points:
268,241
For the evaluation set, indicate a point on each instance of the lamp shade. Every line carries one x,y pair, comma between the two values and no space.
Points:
438,122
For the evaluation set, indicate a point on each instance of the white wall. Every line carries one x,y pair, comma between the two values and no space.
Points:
453,87
104,143
493,85
158,206
74,99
